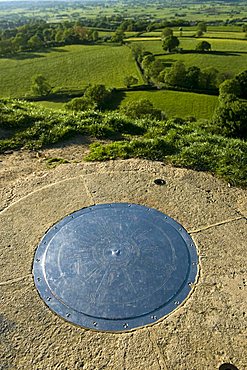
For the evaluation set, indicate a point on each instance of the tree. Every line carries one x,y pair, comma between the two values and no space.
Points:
147,60
130,80
80,104
118,36
230,86
35,42
142,108
242,80
154,69
80,32
95,35
6,47
203,46
47,34
20,42
167,32
40,86
201,26
97,94
199,33
222,76
176,75
59,35
230,119
209,78
192,79
170,43
137,51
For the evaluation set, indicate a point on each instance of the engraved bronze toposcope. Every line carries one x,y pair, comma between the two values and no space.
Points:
115,267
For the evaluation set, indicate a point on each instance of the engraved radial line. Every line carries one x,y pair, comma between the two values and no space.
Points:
106,232
129,279
103,277
140,233
92,273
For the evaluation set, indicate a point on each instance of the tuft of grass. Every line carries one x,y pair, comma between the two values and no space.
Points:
54,161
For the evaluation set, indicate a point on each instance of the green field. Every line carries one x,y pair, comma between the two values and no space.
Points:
225,35
69,67
226,55
179,104
209,34
173,103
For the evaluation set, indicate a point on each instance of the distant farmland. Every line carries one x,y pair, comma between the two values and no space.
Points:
73,67
67,67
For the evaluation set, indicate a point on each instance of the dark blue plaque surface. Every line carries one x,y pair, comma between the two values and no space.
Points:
115,267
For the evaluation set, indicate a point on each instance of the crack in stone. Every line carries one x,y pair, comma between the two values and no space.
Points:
89,194
160,356
36,191
126,346
216,224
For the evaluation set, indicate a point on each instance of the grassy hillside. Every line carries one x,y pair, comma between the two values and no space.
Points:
180,142
69,66
175,103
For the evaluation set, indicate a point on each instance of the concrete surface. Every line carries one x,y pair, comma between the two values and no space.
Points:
206,331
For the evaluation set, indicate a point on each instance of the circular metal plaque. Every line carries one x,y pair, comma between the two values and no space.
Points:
115,267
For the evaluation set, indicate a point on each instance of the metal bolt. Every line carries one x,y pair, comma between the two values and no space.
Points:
67,314
125,325
48,299
154,317
95,323
159,182
176,302
37,260
38,279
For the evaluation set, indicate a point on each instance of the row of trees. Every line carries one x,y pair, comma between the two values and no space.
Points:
38,35
200,29
176,74
230,118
